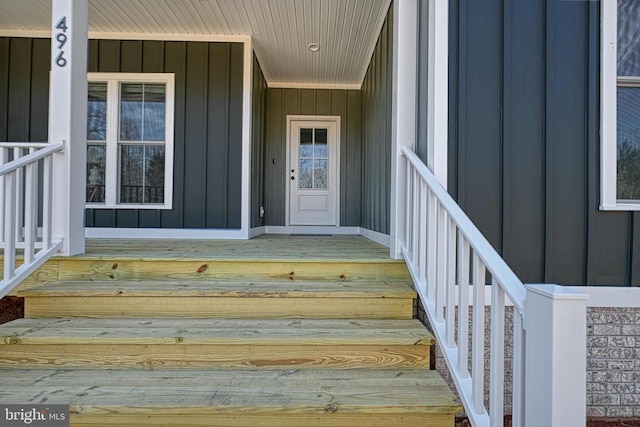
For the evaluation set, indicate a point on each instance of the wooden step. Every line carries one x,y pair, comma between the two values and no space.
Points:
269,398
121,268
197,343
227,299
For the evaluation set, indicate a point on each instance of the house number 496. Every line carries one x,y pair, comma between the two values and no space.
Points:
61,37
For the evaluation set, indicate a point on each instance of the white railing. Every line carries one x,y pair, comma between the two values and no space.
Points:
451,262
20,192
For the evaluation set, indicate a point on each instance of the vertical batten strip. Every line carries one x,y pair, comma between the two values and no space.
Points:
441,263
477,366
463,306
496,382
451,282
10,226
31,209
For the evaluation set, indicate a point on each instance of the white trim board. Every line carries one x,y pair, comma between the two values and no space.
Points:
161,233
379,238
310,229
609,84
179,233
137,36
247,120
295,85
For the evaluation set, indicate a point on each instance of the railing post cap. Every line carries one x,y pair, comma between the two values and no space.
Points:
557,292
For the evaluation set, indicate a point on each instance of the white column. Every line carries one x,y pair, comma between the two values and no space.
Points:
247,131
403,126
438,87
68,119
555,357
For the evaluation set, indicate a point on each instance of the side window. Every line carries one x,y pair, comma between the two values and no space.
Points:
620,151
130,140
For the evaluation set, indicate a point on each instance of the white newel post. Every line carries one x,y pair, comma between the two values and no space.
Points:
403,127
555,356
68,119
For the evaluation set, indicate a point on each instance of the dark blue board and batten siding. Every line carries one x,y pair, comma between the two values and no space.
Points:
257,143
280,103
208,120
377,102
208,130
524,140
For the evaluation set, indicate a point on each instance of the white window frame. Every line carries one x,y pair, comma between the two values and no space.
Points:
112,166
608,110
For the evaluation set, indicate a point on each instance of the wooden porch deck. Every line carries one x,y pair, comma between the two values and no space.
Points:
271,247
269,258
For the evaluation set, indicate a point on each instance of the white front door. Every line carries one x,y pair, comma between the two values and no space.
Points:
313,172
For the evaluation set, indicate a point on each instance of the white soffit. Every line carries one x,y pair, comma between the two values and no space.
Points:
346,30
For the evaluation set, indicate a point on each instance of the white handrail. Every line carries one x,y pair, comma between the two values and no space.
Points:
491,259
445,253
19,209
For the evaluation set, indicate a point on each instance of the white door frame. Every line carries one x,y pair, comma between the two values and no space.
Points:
293,118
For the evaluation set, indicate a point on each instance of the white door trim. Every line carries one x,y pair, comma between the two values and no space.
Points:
293,118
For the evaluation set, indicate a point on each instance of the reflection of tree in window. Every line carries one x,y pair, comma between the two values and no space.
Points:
313,159
142,115
96,141
628,101
628,130
628,171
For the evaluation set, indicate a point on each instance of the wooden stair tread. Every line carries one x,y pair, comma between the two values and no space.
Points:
204,288
215,332
220,391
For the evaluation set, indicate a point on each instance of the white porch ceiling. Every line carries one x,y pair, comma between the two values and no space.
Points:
346,30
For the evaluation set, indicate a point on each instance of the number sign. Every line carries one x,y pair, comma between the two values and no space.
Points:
61,38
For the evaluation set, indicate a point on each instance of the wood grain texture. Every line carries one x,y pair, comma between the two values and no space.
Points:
283,392
45,274
231,307
346,332
118,269
145,356
271,247
244,420
255,289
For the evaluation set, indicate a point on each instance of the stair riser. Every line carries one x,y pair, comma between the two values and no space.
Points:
266,420
114,356
212,307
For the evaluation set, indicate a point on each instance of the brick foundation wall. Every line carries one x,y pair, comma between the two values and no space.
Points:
613,361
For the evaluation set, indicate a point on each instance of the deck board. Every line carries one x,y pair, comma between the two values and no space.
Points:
272,247
218,332
219,391
255,289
